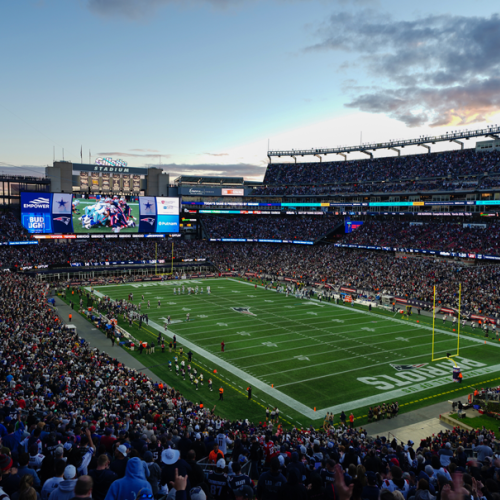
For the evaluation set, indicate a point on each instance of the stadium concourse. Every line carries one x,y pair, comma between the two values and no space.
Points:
70,412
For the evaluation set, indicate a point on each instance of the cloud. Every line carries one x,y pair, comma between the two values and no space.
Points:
436,70
142,8
135,155
216,154
246,170
146,150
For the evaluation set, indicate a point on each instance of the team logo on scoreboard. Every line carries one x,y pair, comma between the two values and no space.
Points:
401,368
64,220
149,220
243,310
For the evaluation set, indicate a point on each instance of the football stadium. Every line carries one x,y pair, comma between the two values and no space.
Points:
188,315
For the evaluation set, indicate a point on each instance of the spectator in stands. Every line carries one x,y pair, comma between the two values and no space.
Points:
65,489
119,464
131,484
270,483
102,477
83,488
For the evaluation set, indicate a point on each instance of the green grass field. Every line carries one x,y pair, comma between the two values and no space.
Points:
77,224
302,355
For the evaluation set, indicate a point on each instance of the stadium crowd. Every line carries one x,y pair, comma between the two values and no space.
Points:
266,227
403,186
77,423
11,228
451,237
455,163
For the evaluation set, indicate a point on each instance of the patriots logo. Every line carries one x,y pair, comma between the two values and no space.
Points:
149,220
243,310
401,368
64,220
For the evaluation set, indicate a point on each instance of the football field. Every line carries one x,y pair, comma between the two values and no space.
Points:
304,356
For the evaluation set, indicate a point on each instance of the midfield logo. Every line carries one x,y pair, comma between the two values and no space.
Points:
243,310
401,368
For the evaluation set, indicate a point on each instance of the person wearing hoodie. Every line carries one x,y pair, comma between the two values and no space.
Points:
66,488
129,486
103,477
297,466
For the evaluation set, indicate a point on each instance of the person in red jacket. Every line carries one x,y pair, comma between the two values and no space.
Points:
222,345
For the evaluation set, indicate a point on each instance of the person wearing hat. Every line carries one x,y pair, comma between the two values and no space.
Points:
221,394
5,468
133,482
119,463
66,488
217,481
172,460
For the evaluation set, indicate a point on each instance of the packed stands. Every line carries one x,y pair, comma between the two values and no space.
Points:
375,272
425,172
265,227
75,421
11,228
451,237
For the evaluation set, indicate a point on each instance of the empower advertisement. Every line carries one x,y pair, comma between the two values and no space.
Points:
46,213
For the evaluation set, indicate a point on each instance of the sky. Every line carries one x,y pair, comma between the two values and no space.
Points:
206,86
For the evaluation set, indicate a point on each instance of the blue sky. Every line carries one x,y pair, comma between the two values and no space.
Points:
202,85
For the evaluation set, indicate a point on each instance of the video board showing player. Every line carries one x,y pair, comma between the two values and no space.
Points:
61,213
116,214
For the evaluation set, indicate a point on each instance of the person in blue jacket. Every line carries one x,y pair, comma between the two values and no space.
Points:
129,486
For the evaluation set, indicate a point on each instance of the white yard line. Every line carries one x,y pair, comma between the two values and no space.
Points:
296,405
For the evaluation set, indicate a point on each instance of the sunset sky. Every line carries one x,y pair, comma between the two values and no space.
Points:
203,86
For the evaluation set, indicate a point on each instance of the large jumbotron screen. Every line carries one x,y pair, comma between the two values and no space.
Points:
60,213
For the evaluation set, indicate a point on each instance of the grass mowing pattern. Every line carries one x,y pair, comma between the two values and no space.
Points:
313,352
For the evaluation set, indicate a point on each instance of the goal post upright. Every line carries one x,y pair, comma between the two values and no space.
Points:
433,321
448,356
459,309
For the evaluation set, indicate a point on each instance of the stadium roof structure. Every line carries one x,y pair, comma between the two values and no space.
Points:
424,141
